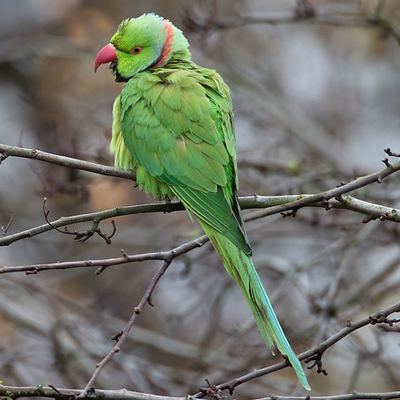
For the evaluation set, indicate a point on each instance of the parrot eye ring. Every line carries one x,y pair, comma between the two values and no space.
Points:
136,50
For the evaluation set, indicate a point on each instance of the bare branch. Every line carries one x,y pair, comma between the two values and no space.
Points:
122,394
14,151
64,394
380,317
81,236
372,211
124,259
275,204
4,229
303,12
283,203
95,217
120,338
358,183
68,394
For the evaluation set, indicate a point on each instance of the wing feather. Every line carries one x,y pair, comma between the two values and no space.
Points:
179,129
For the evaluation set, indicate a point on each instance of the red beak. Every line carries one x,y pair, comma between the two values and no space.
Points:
105,55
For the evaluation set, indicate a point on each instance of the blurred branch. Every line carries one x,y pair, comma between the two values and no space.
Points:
382,20
304,11
332,198
120,338
316,352
388,24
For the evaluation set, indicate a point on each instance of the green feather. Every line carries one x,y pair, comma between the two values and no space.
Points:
241,268
171,97
173,125
194,153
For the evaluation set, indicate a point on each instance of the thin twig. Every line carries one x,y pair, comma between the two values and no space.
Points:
93,217
122,394
15,392
365,180
380,6
124,259
4,229
379,317
370,210
80,236
121,337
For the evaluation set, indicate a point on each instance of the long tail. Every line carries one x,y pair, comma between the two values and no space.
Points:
241,268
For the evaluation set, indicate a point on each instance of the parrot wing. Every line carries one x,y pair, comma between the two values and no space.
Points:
178,126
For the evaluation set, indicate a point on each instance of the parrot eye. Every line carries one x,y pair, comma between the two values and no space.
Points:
136,50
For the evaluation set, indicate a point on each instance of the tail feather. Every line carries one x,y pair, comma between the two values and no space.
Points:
241,268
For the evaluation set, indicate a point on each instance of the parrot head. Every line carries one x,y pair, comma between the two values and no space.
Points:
148,41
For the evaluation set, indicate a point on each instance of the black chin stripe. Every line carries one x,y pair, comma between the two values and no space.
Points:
119,77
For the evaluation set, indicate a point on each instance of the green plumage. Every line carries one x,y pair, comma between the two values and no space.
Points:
173,125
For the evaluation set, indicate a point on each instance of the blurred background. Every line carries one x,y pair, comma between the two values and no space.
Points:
315,103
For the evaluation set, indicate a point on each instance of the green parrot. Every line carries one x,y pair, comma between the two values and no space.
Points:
173,125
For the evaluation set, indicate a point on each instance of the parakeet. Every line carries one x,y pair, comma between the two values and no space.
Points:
173,125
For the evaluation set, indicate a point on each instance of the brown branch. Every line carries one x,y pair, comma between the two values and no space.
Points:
69,394
370,210
281,203
4,229
16,392
120,338
303,201
379,317
64,394
95,217
14,151
376,177
102,264
80,236
303,12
